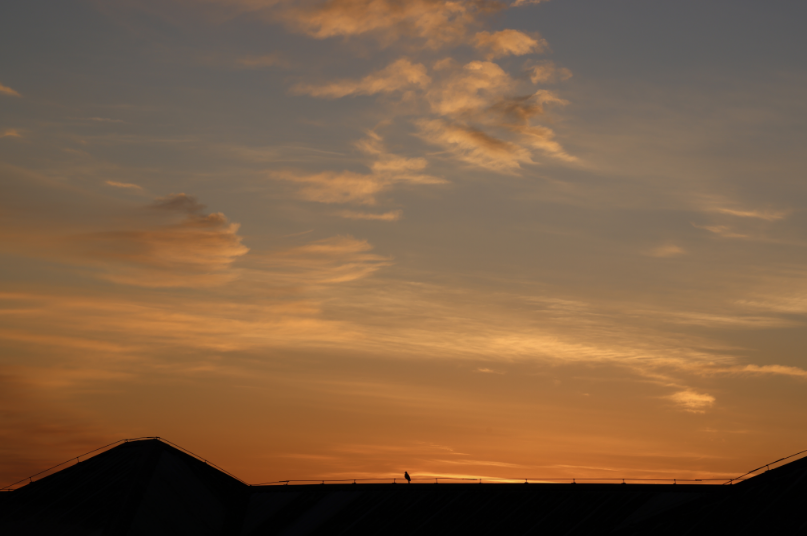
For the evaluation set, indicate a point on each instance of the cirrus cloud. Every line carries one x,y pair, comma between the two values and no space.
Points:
125,185
386,170
393,215
692,401
5,90
337,259
474,146
394,77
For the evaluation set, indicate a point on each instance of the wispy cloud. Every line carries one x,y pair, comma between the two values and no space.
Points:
5,90
429,23
336,186
196,251
264,308
781,370
720,204
475,112
338,259
508,43
721,230
481,463
486,370
397,76
386,171
88,327
547,71
767,215
474,146
692,401
11,133
125,185
393,215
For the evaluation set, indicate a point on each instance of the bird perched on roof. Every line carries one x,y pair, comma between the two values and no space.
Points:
407,477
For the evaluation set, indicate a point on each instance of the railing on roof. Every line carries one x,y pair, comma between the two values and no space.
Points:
202,459
436,479
767,467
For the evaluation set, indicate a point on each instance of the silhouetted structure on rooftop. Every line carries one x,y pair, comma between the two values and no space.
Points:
151,488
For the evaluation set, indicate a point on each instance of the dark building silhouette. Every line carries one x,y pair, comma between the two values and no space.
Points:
148,487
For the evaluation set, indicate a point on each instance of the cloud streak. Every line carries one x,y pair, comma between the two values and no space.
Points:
393,215
336,186
339,187
338,259
474,146
124,185
767,215
266,307
692,401
397,76
5,90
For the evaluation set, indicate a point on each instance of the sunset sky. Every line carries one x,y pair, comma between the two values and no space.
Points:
349,238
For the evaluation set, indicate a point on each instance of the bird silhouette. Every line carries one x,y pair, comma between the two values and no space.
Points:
407,477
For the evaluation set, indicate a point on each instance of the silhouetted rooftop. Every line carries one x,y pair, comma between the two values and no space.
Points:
150,487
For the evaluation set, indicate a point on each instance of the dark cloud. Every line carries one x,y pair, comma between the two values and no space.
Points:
179,203
197,251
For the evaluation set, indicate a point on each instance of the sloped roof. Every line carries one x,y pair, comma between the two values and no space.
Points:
151,488
770,503
138,487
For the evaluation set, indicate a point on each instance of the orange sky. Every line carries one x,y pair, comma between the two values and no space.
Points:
346,239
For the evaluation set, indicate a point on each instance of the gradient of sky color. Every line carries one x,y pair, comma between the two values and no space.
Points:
348,238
